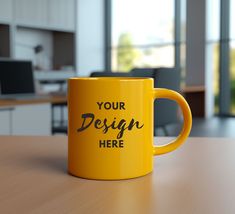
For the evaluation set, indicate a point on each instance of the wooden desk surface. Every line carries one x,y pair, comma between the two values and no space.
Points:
193,89
47,99
198,178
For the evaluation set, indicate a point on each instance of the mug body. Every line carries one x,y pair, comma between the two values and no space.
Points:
110,127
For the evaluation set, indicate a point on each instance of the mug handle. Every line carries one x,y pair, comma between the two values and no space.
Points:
173,95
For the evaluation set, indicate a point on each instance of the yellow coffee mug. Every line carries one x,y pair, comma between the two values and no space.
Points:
110,129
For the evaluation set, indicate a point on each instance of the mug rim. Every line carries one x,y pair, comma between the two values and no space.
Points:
112,78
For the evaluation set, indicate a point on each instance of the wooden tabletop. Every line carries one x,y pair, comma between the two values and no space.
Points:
198,178
47,99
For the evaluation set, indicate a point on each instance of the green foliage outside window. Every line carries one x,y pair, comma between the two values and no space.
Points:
232,78
127,55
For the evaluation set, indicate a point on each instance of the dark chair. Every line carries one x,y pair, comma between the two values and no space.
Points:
110,74
143,72
165,111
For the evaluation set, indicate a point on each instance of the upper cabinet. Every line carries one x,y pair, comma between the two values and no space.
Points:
62,14
51,14
6,8
30,12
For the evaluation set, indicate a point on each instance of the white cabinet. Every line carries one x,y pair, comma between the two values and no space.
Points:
5,118
62,14
6,8
26,120
31,120
54,14
32,12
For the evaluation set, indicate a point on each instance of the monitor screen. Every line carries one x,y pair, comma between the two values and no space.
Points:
16,77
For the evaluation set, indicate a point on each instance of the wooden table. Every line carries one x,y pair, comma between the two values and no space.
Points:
198,178
48,99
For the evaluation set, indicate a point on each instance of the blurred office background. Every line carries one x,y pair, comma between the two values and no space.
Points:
190,43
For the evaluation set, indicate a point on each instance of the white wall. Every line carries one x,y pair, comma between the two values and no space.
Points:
199,68
90,36
195,42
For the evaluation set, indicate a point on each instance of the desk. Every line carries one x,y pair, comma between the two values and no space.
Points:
195,96
47,99
197,178
28,116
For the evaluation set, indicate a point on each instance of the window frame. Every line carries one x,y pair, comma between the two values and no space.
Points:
108,35
224,68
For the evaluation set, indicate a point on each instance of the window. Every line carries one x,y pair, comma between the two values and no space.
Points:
232,56
212,45
182,40
142,34
227,59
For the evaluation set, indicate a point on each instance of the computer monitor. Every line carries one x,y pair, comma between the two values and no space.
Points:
16,77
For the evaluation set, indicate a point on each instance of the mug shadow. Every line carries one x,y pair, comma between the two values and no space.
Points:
55,164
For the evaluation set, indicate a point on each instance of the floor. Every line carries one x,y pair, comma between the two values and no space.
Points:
213,127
